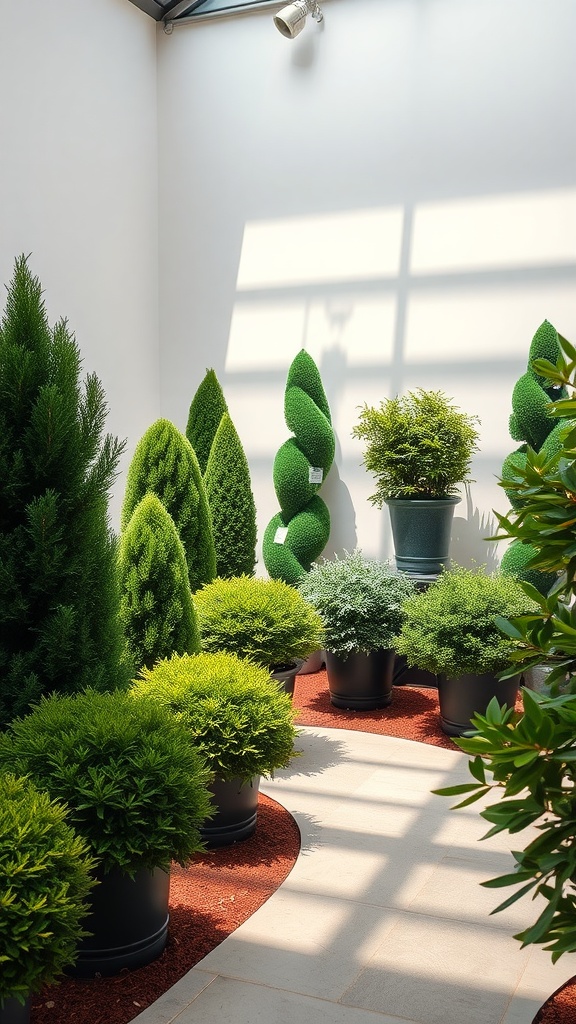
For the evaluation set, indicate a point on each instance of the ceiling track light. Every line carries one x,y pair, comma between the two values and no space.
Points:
291,19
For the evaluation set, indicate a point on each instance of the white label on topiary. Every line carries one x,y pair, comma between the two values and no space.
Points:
281,534
315,475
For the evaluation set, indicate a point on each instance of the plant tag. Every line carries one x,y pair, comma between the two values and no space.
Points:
281,534
315,475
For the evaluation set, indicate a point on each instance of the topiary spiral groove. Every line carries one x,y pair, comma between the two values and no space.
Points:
302,512
531,423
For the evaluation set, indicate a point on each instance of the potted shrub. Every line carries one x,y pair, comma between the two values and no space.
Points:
45,871
136,790
242,724
418,447
360,602
267,621
451,629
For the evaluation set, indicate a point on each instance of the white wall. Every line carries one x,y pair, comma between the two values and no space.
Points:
78,185
395,191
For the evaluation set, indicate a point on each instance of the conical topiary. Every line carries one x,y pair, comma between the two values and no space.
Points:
530,422
164,463
156,606
206,410
297,535
231,502
59,627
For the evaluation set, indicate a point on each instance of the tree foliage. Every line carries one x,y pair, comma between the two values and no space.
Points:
206,410
231,503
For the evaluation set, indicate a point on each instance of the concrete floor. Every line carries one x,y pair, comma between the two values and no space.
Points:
382,919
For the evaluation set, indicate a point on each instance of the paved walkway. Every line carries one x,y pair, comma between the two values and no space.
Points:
382,919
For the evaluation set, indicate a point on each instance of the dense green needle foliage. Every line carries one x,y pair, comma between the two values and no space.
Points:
59,628
231,502
360,601
165,464
531,761
451,628
240,719
533,423
156,605
266,621
298,534
206,410
417,446
133,781
45,880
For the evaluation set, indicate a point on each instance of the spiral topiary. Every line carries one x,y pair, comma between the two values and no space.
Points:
164,463
206,410
156,608
531,423
231,502
302,514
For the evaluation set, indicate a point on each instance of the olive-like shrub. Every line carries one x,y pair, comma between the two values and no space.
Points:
267,621
417,446
451,629
131,776
239,718
45,870
360,601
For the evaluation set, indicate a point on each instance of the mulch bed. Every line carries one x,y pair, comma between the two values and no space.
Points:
222,888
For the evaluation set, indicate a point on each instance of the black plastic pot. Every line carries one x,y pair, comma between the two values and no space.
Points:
362,682
129,922
287,676
422,531
235,819
14,1012
464,696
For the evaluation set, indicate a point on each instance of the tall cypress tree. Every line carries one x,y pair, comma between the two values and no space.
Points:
231,502
59,624
206,410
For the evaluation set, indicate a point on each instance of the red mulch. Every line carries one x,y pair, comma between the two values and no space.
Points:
222,888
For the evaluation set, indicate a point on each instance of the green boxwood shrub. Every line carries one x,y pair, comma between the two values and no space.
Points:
360,601
156,606
59,627
164,463
131,777
206,410
231,502
303,514
45,880
417,446
240,720
450,629
266,621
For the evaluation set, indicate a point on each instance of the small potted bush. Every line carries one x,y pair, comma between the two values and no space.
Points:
419,447
267,621
241,722
360,603
136,789
45,881
451,630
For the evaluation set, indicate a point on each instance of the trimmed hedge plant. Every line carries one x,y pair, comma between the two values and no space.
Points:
360,601
418,445
240,720
59,627
131,777
231,502
299,532
156,607
266,621
451,628
45,870
206,410
165,464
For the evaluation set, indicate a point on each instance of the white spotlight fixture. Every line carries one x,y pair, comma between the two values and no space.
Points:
291,19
